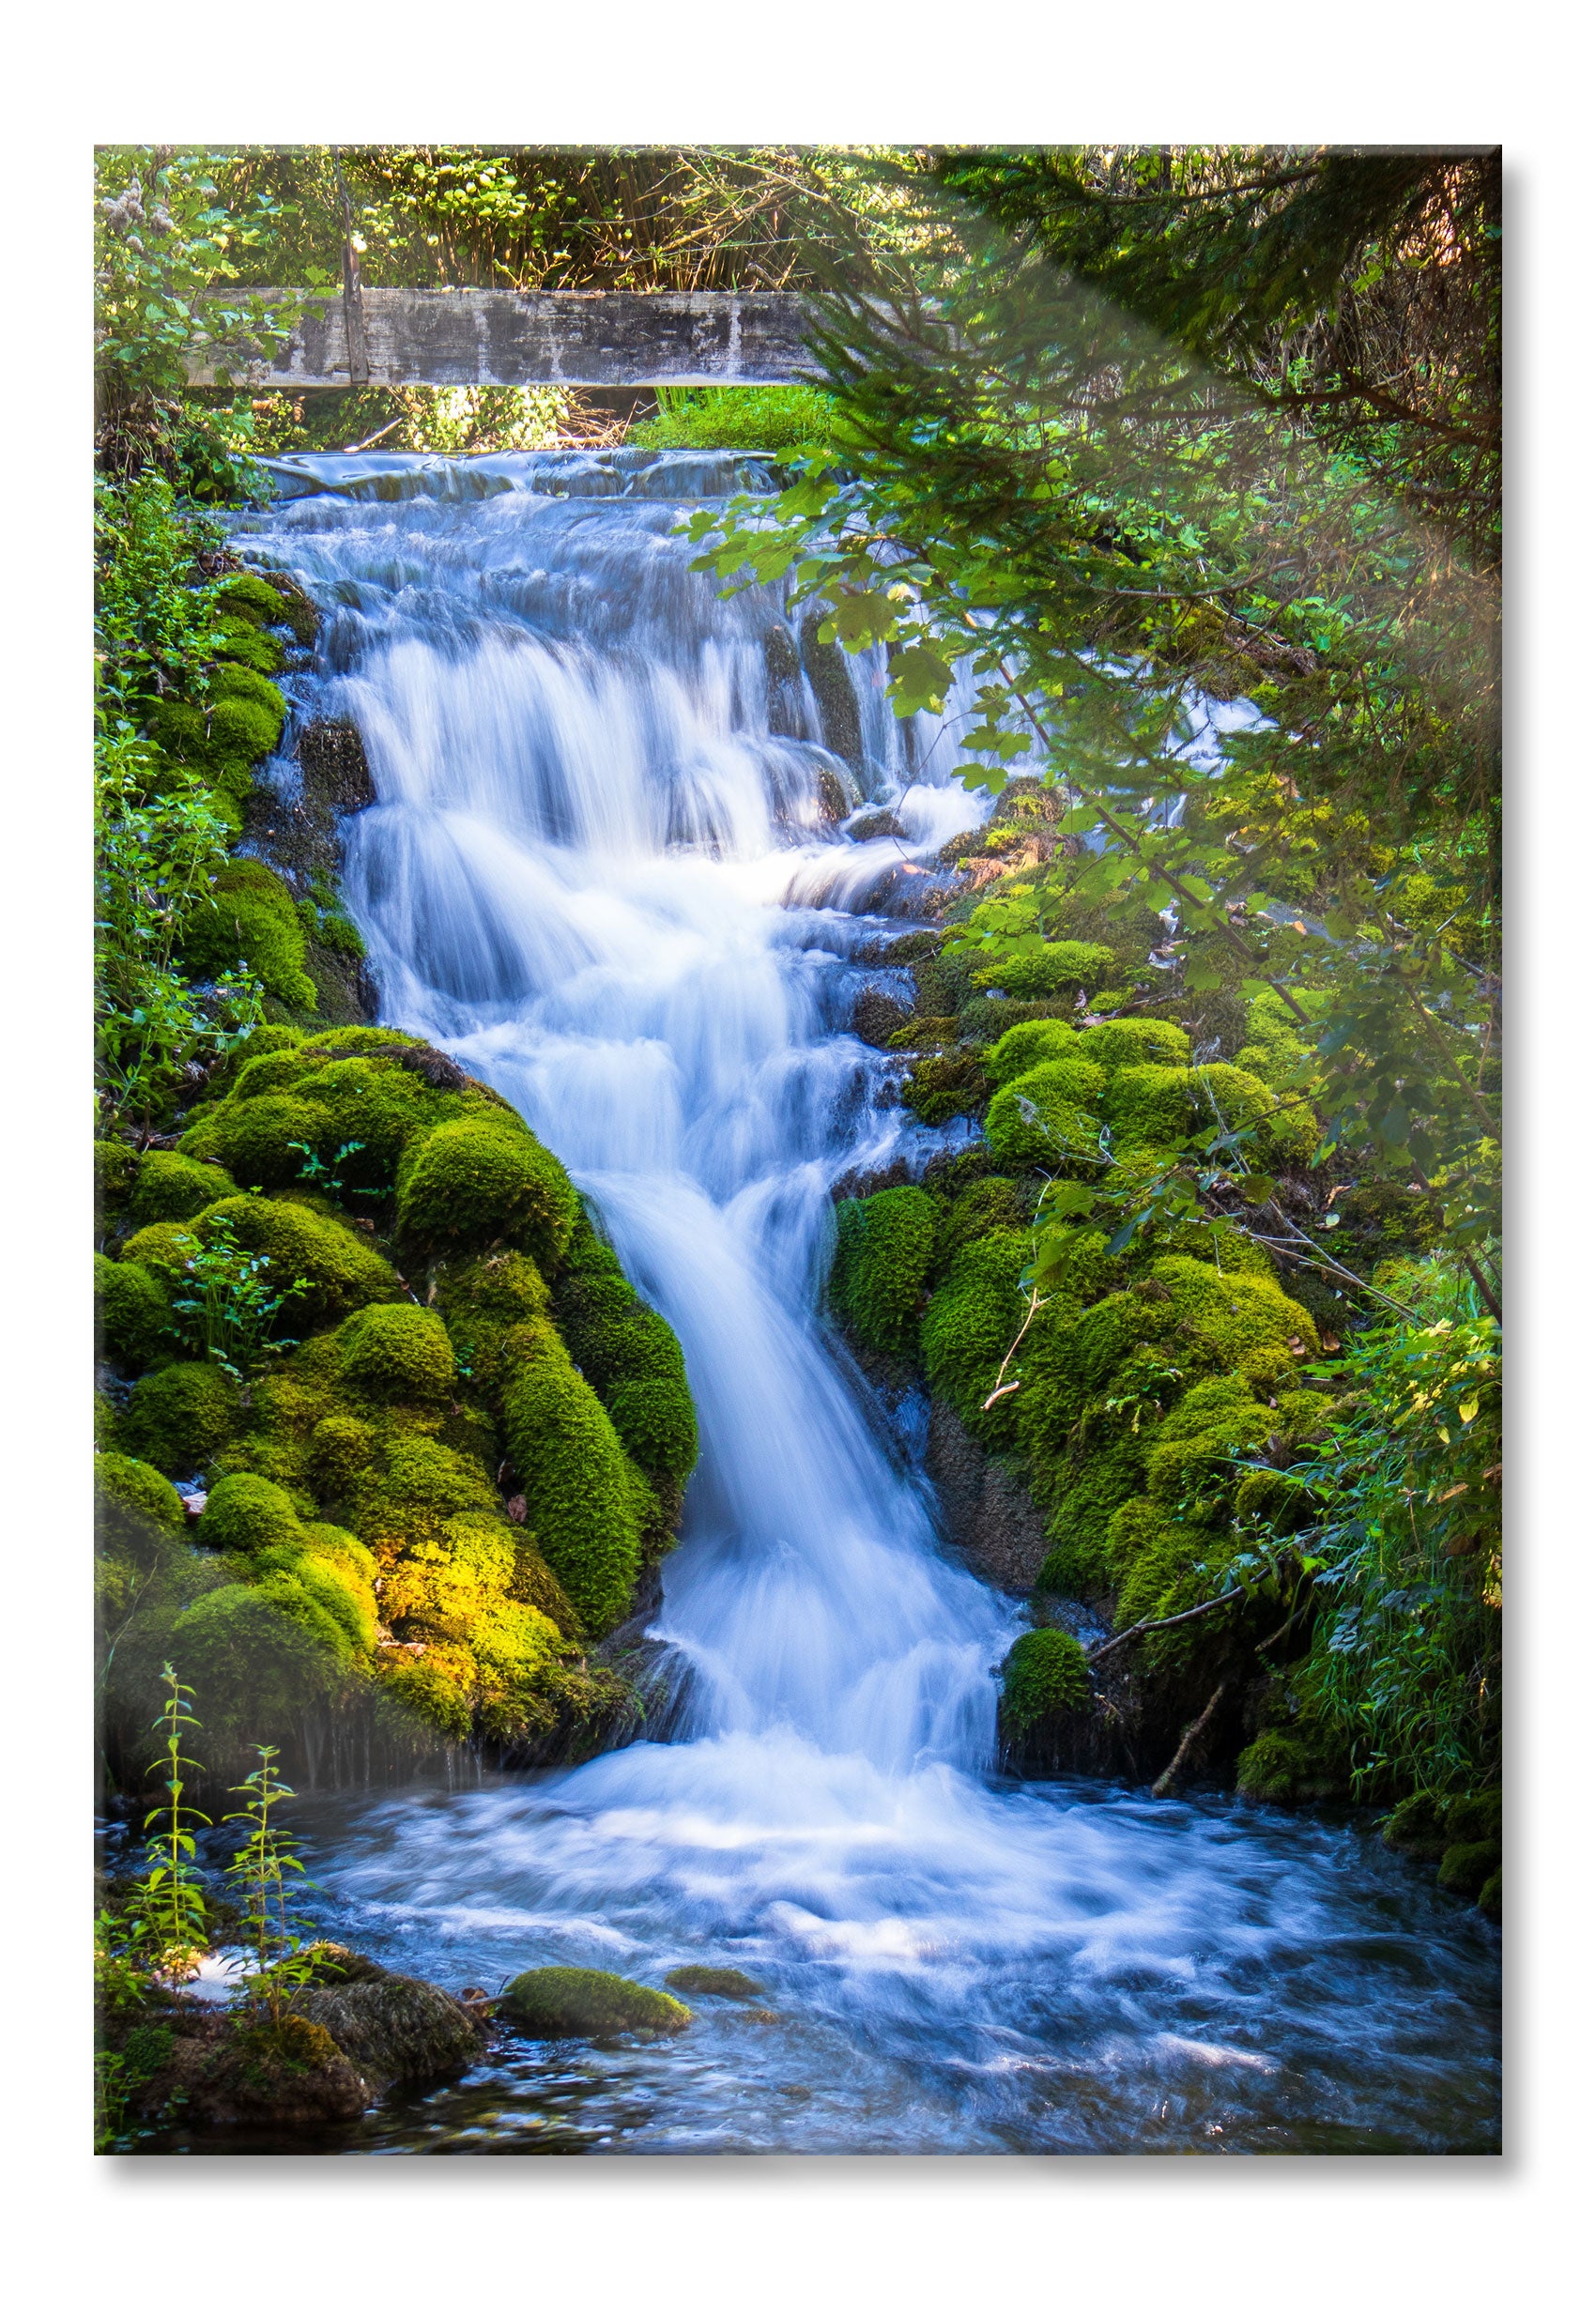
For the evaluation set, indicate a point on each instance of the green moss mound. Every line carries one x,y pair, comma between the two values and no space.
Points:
655,1422
477,1180
179,1416
1045,1677
885,1246
171,1188
123,1485
579,2001
973,1317
248,1514
1049,1112
395,1351
342,1272
583,1506
1418,1826
251,921
1022,1047
1285,1768
714,1980
1050,972
1466,1868
131,1313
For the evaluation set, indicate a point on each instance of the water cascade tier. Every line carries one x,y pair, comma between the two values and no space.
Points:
608,871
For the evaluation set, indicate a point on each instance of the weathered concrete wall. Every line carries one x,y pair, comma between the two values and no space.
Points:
484,335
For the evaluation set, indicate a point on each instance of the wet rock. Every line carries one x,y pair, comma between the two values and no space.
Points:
990,1515
832,689
394,2030
579,2001
876,1017
332,766
834,797
714,1980
280,2073
882,823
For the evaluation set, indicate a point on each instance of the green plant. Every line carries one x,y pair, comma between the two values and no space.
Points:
154,858
170,1925
1407,1656
271,1878
229,1302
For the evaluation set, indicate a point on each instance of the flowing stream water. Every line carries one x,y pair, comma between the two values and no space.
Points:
602,872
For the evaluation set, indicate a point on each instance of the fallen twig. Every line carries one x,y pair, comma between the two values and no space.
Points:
1169,1621
1164,1785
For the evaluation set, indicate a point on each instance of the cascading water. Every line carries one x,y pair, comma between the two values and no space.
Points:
601,872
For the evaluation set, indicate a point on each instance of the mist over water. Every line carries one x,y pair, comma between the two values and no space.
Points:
601,873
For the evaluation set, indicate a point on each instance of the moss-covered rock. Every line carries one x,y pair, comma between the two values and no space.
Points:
1466,1868
1045,1677
341,1273
583,1504
248,1514
179,1416
1048,971
395,2030
1050,1111
1284,1767
714,1981
132,1312
970,1320
1418,1826
884,1245
1489,1902
578,2000
655,1422
124,1484
1028,1044
170,1188
250,921
393,1350
475,1181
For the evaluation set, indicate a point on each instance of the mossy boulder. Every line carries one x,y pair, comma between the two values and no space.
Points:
1045,1677
341,1273
395,2030
132,1312
250,921
579,2001
124,1486
655,1422
583,1504
1285,1768
477,1180
885,1246
1049,972
248,1514
714,1981
1418,1826
1466,1868
1049,1112
393,1350
170,1188
179,1416
1028,1044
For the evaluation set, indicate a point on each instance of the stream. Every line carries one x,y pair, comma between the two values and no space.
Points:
602,872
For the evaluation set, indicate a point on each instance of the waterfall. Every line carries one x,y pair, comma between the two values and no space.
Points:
598,876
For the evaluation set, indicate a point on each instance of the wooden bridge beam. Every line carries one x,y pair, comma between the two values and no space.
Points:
490,335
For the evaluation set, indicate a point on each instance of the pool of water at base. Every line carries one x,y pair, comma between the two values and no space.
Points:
1215,1980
